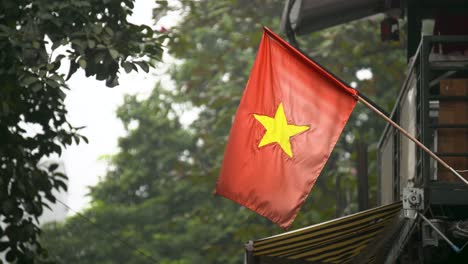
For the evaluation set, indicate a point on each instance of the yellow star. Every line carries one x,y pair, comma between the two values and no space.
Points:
278,130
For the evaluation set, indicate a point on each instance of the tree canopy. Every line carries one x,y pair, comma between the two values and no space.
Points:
157,194
36,38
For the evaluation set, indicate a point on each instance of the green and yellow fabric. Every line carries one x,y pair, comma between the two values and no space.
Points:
337,241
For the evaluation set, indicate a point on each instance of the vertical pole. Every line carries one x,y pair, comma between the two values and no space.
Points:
414,27
425,136
249,257
361,166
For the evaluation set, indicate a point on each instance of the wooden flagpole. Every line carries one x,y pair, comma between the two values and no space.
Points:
404,132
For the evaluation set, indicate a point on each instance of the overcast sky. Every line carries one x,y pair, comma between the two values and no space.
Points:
90,103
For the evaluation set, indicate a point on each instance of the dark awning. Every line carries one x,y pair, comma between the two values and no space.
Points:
335,241
310,15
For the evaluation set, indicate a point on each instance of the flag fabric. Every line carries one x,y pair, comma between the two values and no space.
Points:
290,116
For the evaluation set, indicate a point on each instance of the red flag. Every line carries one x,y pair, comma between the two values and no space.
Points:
288,121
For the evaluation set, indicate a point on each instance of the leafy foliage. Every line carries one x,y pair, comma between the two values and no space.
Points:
98,38
157,193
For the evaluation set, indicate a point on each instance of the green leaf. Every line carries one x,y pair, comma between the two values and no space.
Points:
60,175
59,58
8,206
143,65
37,87
50,198
57,78
3,246
114,53
91,43
73,68
82,62
53,167
62,96
60,185
18,214
5,108
10,256
109,31
97,28
56,66
112,81
128,67
56,44
52,83
36,44
29,80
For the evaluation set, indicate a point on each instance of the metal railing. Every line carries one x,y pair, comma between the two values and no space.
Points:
423,76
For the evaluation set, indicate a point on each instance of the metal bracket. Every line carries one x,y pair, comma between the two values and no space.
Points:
413,201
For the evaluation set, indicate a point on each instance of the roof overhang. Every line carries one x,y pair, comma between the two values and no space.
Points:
306,16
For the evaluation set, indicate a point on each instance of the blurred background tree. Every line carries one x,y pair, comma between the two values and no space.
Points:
157,194
36,37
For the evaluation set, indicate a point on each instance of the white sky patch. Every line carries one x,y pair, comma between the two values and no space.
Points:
90,103
187,117
364,74
32,129
133,124
363,117
349,138
226,77
187,113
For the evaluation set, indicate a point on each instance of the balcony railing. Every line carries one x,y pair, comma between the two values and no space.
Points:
432,105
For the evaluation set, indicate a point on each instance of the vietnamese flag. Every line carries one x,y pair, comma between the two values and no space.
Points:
288,121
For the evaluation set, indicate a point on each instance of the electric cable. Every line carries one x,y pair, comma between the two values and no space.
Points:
111,235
